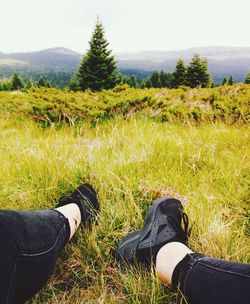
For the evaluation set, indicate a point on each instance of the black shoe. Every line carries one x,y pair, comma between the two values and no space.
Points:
162,225
86,199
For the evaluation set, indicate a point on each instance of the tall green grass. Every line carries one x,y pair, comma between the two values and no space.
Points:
208,165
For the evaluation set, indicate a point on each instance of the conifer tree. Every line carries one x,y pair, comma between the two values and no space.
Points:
230,80
166,79
43,82
124,79
6,86
197,73
148,83
142,85
247,79
29,84
224,81
16,82
155,80
98,70
180,73
73,84
132,81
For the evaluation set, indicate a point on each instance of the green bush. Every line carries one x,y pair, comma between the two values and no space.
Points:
47,106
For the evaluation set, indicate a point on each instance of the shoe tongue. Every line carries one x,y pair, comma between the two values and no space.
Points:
174,211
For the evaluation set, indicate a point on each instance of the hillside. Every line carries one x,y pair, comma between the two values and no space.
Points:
223,61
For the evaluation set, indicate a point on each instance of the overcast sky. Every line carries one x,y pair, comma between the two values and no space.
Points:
130,25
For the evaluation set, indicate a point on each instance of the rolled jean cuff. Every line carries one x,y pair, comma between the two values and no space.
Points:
183,267
66,222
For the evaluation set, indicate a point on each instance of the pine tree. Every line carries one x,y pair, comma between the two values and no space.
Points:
148,83
155,80
98,70
73,84
124,79
166,79
6,85
132,81
29,84
197,73
230,80
16,82
142,85
43,82
224,81
247,79
180,74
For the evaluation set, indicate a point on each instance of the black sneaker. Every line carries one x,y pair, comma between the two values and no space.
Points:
162,225
86,199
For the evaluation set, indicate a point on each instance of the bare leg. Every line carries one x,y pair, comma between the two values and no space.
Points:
167,259
73,214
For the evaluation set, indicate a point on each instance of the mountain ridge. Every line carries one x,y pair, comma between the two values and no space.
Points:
222,61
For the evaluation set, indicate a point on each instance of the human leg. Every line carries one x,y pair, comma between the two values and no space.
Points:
31,242
173,253
73,214
202,280
34,240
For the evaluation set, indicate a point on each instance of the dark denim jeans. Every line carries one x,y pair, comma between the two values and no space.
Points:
203,280
30,242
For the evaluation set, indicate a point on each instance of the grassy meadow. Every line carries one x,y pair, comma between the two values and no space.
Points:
130,160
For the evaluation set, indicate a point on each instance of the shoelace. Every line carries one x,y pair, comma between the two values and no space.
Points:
186,231
185,222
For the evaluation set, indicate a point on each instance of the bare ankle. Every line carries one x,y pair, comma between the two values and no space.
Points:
73,214
167,259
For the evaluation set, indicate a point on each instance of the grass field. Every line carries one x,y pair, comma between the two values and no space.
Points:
130,162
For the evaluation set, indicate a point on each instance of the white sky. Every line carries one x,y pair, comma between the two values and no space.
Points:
131,25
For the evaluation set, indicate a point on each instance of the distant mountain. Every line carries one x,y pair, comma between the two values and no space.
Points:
212,52
222,61
56,64
55,58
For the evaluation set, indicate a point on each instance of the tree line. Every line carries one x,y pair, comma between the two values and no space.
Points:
155,80
194,75
17,83
180,77
98,71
